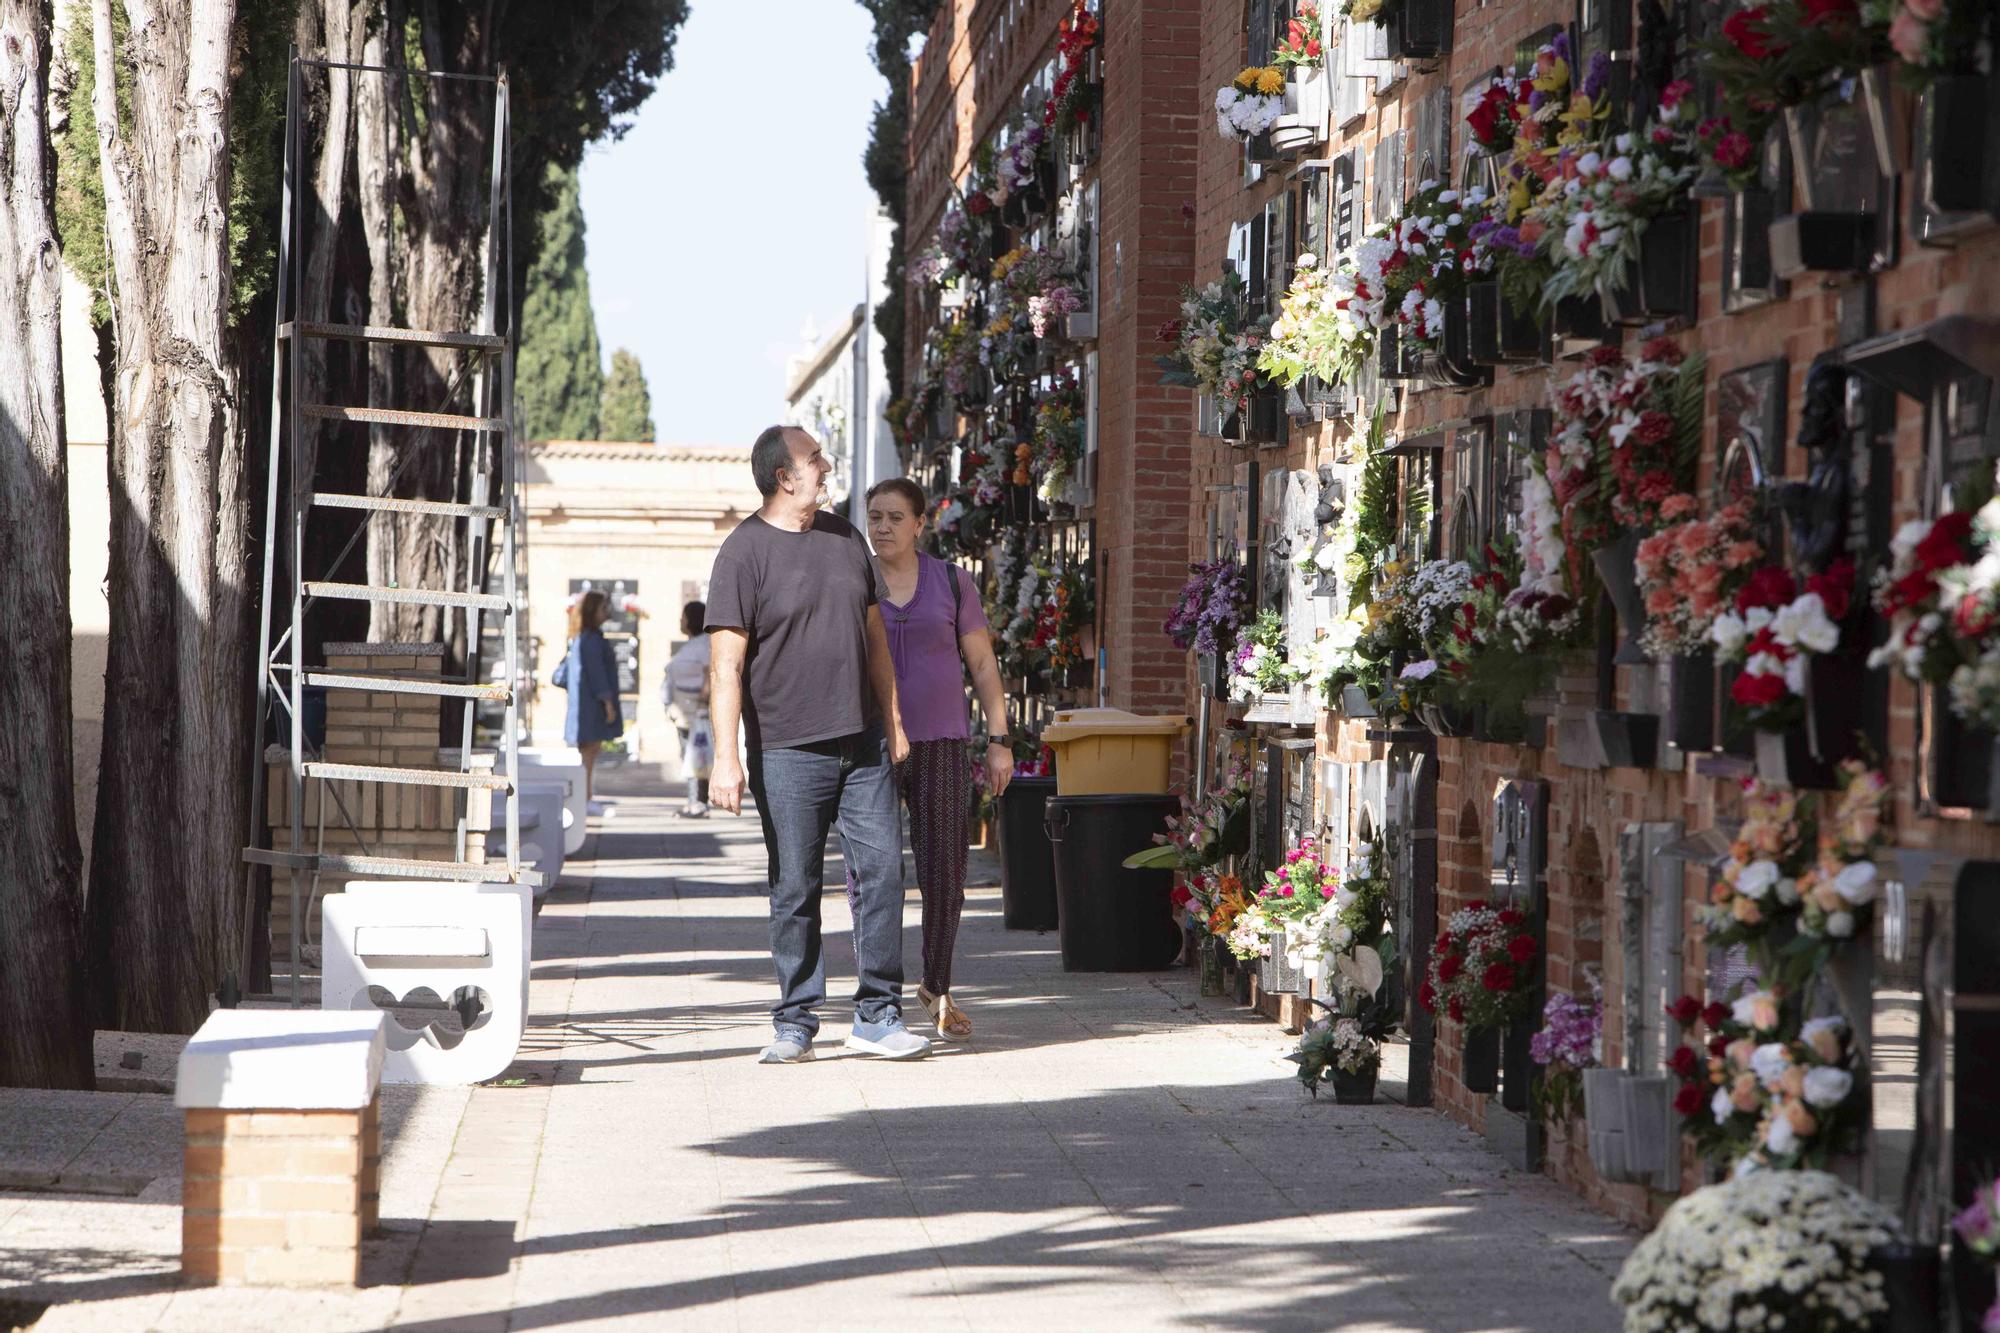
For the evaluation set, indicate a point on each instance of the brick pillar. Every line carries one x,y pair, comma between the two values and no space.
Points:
282,1167
273,1197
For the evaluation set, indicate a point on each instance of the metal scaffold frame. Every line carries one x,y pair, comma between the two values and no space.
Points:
494,498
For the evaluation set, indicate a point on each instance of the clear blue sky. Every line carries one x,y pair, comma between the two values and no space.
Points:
735,209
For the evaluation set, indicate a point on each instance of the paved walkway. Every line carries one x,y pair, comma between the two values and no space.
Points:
1110,1152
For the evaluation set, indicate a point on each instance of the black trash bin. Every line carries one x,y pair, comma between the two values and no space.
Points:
1113,919
1027,865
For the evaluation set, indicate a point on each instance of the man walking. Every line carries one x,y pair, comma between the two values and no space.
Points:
798,651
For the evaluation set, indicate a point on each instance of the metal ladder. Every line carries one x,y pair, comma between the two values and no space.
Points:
493,501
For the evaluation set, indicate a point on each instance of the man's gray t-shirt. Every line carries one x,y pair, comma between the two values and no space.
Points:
803,599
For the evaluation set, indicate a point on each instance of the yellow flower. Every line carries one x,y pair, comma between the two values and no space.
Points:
1271,82
1554,78
1365,9
1246,81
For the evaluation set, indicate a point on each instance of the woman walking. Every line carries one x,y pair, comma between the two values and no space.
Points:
589,671
935,624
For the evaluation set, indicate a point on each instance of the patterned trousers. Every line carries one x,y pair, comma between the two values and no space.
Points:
936,783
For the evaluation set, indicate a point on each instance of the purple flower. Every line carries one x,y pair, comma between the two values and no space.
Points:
1561,47
1594,78
1536,98
1975,1224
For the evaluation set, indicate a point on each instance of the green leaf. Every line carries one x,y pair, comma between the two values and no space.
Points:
1164,857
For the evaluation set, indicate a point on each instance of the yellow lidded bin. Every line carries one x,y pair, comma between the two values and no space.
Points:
1108,751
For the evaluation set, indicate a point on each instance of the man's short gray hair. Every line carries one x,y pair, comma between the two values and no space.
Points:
771,455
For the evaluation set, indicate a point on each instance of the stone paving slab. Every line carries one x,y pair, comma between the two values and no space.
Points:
1108,1152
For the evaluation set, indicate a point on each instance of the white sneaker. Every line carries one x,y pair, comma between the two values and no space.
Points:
694,810
890,1041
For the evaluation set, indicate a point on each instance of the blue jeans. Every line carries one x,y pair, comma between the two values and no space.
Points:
802,792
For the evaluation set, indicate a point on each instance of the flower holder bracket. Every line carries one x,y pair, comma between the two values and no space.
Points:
1660,284
1421,30
1959,120
1498,335
1822,242
1630,740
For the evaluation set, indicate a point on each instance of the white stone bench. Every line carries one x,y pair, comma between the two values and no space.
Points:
281,1176
544,762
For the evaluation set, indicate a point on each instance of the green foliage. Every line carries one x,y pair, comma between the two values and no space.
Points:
560,378
1375,518
886,158
627,412
256,144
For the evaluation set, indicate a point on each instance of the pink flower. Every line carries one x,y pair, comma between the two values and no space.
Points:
1909,35
1927,10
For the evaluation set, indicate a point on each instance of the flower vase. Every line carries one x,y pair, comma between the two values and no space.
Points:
1604,1125
1421,30
1239,979
1442,719
1209,958
1888,109
1691,701
1659,283
1355,703
1480,1070
1617,565
1355,1089
1955,115
1268,964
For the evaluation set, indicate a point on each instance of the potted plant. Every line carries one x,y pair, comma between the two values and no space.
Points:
1481,974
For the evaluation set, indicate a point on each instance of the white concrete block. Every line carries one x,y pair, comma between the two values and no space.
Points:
424,915
282,1060
561,763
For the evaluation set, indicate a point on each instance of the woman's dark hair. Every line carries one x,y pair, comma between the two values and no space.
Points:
905,488
693,616
589,612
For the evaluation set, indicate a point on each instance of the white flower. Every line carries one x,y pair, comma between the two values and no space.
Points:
1840,925
1814,1026
1745,1007
1728,632
1803,623
1757,878
1307,259
1826,1086
1788,891
1856,883
1619,168
1588,164
1769,1062
1779,1136
1423,670
1720,1106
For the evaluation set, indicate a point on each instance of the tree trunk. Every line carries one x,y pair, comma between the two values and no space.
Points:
45,1030
163,911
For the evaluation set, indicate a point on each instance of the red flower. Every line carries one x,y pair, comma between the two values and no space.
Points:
978,202
1733,151
1718,1046
1449,967
1685,1062
1521,949
1685,1010
1770,587
1605,357
1455,1009
1745,29
1664,349
1510,917
1180,895
1443,942
1827,11
1653,427
1715,1015
1758,691
1499,978
1835,586
1945,544
1427,997
1912,590
1689,1101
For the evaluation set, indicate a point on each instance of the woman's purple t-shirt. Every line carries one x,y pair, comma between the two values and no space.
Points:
923,643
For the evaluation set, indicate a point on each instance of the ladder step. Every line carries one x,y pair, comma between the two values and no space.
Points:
390,504
408,777
359,592
389,416
396,867
377,333
442,689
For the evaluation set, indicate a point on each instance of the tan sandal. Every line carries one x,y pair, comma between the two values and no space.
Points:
951,1022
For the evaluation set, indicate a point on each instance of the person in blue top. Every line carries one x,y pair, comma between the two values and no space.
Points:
590,673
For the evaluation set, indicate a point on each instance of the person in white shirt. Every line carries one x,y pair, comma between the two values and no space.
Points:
685,692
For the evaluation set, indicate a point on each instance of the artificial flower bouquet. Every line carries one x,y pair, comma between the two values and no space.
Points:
1691,570
1564,1047
1501,642
1016,167
1481,968
1073,97
1774,1249
1206,830
1610,191
1250,103
1837,891
1259,666
1303,44
1777,626
1317,332
1333,660
1212,606
1978,1225
1401,276
1626,441
1778,54
1941,594
1764,1090
1930,37
1057,444
1215,342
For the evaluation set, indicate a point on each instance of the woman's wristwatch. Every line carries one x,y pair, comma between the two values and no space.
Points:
1002,738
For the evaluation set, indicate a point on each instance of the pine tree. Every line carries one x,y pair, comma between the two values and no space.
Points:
628,408
560,378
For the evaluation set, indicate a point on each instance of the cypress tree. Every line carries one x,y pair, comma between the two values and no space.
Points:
559,378
628,407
